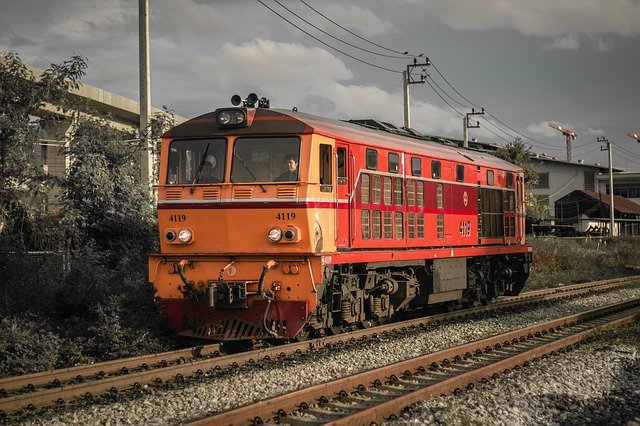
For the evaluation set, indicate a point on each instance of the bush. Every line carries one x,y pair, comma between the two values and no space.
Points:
563,261
25,347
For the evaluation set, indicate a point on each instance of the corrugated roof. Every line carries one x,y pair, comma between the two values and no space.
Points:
621,204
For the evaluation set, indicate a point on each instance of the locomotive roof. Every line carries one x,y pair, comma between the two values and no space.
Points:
293,122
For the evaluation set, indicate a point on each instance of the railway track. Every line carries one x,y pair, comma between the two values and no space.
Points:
382,393
33,392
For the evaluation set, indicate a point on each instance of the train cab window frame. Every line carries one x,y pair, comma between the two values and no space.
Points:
490,178
393,162
416,166
436,169
325,167
264,159
188,160
342,166
510,180
459,173
372,159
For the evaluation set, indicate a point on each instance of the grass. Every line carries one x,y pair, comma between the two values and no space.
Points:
564,261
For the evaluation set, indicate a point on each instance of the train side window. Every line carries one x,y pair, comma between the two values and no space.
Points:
439,196
411,224
394,162
376,225
460,173
364,189
416,166
342,166
435,169
386,190
490,177
398,226
440,225
388,225
375,189
372,159
420,225
411,192
420,193
365,217
326,166
509,180
397,191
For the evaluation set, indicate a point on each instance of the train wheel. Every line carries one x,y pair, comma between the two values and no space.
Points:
365,324
335,330
302,335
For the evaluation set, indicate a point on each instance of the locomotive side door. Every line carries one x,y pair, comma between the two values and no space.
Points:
345,214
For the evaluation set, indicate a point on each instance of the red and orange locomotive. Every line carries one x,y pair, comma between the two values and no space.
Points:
275,224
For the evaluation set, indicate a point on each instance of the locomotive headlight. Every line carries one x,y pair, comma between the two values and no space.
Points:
170,235
275,234
185,236
290,234
231,117
224,118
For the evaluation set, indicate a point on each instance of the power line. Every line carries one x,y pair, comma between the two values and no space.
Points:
356,35
334,37
327,44
487,111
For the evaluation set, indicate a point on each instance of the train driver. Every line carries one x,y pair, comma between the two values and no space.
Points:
206,175
291,161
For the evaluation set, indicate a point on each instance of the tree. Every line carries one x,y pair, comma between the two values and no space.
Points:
22,98
518,153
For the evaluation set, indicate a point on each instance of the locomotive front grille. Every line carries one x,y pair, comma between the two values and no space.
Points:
242,192
211,193
173,193
287,192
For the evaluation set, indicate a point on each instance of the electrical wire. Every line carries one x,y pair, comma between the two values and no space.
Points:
407,54
327,44
334,37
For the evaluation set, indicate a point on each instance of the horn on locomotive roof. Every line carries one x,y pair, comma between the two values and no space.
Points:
250,101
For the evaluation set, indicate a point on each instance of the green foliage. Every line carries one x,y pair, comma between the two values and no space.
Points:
22,97
26,347
563,261
518,153
104,201
84,296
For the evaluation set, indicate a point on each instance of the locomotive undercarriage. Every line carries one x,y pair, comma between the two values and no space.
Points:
364,294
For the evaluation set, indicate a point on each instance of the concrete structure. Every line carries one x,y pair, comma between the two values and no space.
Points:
123,114
625,184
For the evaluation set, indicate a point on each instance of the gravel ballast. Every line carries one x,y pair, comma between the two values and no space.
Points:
583,384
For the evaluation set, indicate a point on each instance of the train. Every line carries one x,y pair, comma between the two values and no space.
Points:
279,225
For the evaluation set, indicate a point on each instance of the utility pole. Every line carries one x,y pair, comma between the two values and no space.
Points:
466,125
612,221
408,79
147,160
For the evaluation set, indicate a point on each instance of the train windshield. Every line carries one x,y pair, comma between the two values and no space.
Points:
265,160
197,161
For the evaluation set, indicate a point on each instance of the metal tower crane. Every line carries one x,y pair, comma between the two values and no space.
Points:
570,135
635,136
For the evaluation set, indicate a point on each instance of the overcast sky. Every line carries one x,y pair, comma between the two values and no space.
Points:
528,63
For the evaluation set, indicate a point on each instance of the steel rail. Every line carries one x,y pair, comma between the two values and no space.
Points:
103,369
554,335
63,392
